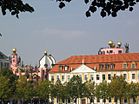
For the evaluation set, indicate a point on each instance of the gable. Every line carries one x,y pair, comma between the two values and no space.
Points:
2,56
83,69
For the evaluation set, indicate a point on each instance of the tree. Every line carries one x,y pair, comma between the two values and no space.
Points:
60,91
90,90
21,89
132,91
43,90
102,91
117,88
5,88
15,7
107,7
6,74
75,88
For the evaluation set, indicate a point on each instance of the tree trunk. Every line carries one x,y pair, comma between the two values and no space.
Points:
128,100
137,100
121,100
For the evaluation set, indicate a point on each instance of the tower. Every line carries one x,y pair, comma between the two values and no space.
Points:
15,60
45,64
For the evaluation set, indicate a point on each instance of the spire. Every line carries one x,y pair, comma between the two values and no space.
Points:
82,61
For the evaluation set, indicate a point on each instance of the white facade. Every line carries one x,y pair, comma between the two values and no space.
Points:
87,73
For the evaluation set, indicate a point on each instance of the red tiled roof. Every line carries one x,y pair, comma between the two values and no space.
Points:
95,60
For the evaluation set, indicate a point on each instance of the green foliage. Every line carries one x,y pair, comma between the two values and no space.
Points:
132,90
117,87
75,87
102,90
43,89
21,87
5,88
89,91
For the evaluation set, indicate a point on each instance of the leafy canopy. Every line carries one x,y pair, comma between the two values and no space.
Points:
15,7
106,7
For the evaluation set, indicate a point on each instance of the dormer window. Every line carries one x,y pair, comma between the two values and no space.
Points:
112,66
133,65
106,66
125,65
101,66
60,67
66,67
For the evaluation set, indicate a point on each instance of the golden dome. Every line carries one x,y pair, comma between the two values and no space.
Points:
14,49
110,42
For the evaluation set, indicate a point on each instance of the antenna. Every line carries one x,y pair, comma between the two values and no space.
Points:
126,48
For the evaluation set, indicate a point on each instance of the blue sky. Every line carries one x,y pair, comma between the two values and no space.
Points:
65,32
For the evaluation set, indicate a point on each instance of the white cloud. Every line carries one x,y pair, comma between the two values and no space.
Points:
63,33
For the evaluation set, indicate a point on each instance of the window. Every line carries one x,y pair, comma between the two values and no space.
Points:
97,77
63,77
115,99
101,66
125,100
91,77
103,76
125,65
68,77
98,100
104,100
109,76
112,66
68,100
133,65
111,51
58,77
133,76
52,78
66,67
120,51
125,76
109,100
85,77
106,66
60,67
13,60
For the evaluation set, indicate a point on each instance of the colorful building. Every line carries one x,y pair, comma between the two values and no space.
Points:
15,62
110,61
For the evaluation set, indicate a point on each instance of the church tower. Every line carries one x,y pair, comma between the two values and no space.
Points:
45,64
15,60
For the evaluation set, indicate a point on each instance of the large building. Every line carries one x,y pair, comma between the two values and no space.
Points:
4,61
110,61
